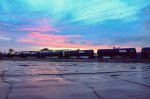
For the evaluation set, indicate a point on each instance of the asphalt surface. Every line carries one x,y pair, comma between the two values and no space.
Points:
74,80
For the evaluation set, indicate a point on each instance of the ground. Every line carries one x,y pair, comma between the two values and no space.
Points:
74,80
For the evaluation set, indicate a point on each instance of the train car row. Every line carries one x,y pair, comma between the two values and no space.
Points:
124,53
121,53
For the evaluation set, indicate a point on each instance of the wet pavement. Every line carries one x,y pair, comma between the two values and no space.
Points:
74,80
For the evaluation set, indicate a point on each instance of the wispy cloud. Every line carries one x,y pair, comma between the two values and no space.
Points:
44,28
90,12
45,39
42,39
38,25
5,38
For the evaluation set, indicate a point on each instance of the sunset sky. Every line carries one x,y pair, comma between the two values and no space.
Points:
75,24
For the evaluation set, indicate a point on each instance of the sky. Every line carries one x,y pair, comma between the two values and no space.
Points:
74,24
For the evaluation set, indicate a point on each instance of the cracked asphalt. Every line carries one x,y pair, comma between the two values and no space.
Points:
74,80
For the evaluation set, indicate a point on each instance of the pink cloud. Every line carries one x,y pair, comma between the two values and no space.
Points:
42,28
60,41
41,39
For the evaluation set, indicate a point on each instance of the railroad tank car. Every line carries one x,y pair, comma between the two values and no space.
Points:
126,53
117,53
145,53
106,53
71,54
17,54
50,54
79,54
25,54
4,55
34,54
86,54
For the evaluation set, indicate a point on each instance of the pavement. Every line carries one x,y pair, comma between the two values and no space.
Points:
74,80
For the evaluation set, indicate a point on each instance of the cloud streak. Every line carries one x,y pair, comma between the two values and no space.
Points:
5,38
44,28
45,39
75,11
51,40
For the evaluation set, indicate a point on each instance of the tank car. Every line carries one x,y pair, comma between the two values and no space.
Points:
50,54
117,53
80,54
145,53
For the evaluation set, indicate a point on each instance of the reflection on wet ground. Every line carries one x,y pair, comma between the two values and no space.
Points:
74,80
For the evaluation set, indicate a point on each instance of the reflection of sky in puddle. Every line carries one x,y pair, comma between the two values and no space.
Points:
33,67
35,79
38,79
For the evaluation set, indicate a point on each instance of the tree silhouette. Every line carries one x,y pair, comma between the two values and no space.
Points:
11,51
45,49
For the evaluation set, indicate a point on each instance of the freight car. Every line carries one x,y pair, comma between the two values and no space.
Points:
106,53
22,54
117,53
17,54
25,54
145,53
80,54
34,54
126,53
50,54
4,55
